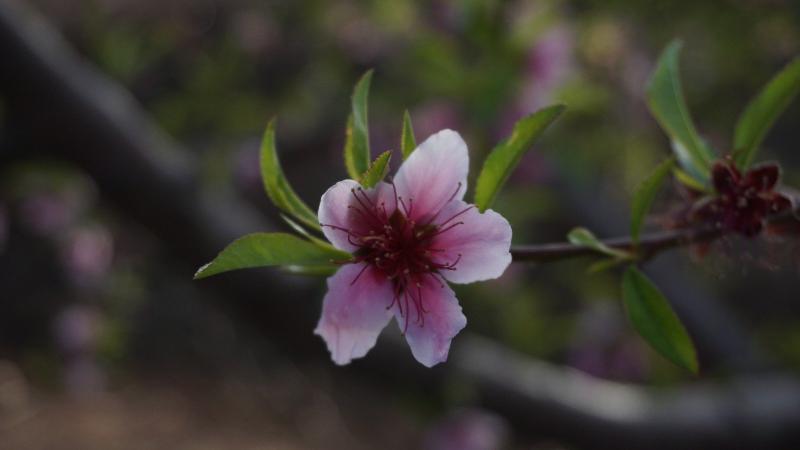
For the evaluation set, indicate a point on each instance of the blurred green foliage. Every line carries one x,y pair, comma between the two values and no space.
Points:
212,74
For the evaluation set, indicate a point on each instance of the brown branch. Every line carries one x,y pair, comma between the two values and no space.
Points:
649,245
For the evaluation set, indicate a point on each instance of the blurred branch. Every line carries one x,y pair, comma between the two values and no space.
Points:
59,104
649,244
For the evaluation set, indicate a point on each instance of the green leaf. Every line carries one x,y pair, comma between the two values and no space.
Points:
277,186
668,105
407,141
377,170
698,174
313,271
651,315
606,264
507,154
584,237
645,194
323,244
356,147
762,111
269,249
690,181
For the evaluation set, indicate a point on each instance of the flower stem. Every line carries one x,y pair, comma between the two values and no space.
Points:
649,244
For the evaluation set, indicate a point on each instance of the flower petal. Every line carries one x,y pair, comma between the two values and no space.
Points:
429,338
777,203
336,216
431,175
763,177
725,178
353,314
479,243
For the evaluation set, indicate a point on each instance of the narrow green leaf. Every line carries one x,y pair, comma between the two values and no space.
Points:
645,194
652,316
377,170
313,271
268,249
606,264
762,111
507,154
667,103
407,142
323,244
277,186
690,181
700,175
356,148
584,237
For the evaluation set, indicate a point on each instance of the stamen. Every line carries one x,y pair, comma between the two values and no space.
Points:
403,204
355,244
421,303
364,194
452,266
359,274
456,215
360,212
458,188
436,278
350,234
371,210
394,188
446,229
395,299
383,209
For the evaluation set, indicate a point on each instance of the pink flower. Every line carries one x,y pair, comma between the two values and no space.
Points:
408,238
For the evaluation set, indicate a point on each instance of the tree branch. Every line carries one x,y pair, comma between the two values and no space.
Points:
649,244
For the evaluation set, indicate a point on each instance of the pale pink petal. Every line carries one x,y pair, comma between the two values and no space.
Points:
482,241
336,216
429,337
353,314
433,174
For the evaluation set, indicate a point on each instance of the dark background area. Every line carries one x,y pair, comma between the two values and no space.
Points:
129,136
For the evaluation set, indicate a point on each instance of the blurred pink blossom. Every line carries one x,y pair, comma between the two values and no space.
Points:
550,62
472,429
77,330
84,376
356,33
256,32
88,253
246,166
603,347
434,116
47,213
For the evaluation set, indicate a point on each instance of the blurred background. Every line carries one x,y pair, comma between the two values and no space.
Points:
129,137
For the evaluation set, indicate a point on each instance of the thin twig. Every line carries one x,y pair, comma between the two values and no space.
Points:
649,245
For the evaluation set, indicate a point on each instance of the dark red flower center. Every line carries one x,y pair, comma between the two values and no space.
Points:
400,248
